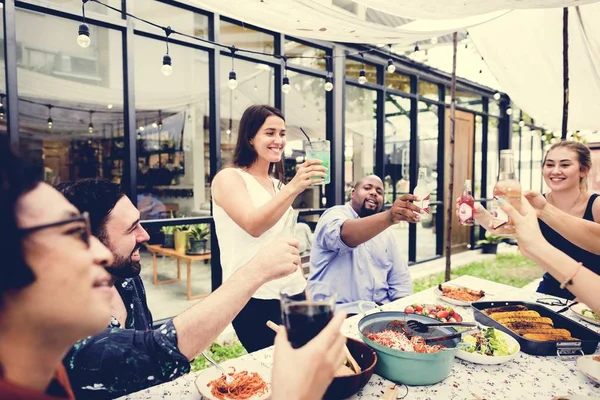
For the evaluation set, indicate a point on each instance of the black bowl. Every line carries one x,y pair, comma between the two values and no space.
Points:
346,386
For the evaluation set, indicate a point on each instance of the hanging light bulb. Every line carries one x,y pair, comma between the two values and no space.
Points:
521,123
91,126
362,78
497,96
285,87
434,40
159,124
154,125
391,68
83,39
166,68
328,84
416,48
2,107
50,121
509,111
233,83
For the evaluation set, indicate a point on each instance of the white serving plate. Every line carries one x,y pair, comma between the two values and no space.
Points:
455,302
477,358
210,374
578,311
589,367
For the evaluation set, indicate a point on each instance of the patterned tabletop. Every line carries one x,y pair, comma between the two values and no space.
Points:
524,377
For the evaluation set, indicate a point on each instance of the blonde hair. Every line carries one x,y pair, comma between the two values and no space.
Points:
584,156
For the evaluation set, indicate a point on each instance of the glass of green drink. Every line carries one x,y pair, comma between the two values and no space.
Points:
319,150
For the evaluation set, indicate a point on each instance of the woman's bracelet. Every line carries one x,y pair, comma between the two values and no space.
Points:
569,280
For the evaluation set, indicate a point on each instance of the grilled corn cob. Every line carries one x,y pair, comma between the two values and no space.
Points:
543,331
514,314
489,311
538,320
548,337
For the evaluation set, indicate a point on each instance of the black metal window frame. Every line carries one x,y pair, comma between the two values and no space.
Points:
335,121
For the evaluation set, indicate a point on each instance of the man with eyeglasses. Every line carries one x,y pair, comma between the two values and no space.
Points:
129,355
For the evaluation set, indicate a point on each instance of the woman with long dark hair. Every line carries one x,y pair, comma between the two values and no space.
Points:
250,202
54,288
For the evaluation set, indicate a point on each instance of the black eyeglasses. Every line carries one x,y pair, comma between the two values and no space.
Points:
552,301
84,217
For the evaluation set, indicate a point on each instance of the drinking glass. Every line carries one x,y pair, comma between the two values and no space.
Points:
319,150
305,314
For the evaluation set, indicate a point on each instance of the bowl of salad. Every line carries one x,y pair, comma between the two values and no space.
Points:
488,346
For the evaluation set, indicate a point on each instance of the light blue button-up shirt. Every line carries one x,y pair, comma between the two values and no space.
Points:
373,271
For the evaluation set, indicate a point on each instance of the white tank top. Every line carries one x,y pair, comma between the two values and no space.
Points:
238,247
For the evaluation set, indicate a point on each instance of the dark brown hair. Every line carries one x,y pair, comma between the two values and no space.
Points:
584,157
245,155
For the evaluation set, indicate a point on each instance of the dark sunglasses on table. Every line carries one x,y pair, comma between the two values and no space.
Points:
86,232
551,301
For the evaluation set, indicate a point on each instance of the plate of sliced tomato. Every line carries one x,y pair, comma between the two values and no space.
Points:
441,312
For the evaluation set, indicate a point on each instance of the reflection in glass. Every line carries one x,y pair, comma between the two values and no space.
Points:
314,55
429,90
182,20
243,37
304,108
516,145
525,161
255,86
71,100
360,136
537,158
172,132
353,68
397,81
492,156
428,150
397,158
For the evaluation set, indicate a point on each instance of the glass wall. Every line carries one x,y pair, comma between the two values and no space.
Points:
255,86
428,158
360,135
172,132
493,156
304,108
397,157
70,99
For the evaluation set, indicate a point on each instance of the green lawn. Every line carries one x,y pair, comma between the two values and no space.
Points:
510,269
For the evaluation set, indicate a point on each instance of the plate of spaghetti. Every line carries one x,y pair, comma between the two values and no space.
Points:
251,381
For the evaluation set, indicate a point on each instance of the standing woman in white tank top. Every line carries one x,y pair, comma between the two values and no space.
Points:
249,208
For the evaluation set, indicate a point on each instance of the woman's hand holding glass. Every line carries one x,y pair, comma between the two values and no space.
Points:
305,175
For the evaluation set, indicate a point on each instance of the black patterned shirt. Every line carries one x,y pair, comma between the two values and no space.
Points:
119,361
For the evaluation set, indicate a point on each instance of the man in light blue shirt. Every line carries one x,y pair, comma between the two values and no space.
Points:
355,252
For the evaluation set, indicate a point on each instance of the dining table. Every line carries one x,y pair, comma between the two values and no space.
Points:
523,377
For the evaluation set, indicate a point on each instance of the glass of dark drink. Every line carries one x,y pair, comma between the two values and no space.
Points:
305,314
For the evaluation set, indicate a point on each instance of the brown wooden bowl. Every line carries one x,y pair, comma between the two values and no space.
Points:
346,386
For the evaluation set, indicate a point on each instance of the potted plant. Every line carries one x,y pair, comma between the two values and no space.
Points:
181,238
169,240
199,235
489,245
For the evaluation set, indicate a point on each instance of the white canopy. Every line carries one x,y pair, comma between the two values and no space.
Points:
523,50
449,9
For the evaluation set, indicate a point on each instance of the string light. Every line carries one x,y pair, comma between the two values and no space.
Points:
416,48
521,123
91,126
497,96
434,40
83,33
166,68
50,122
328,83
285,82
509,111
1,106
233,83
362,75
160,123
391,68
